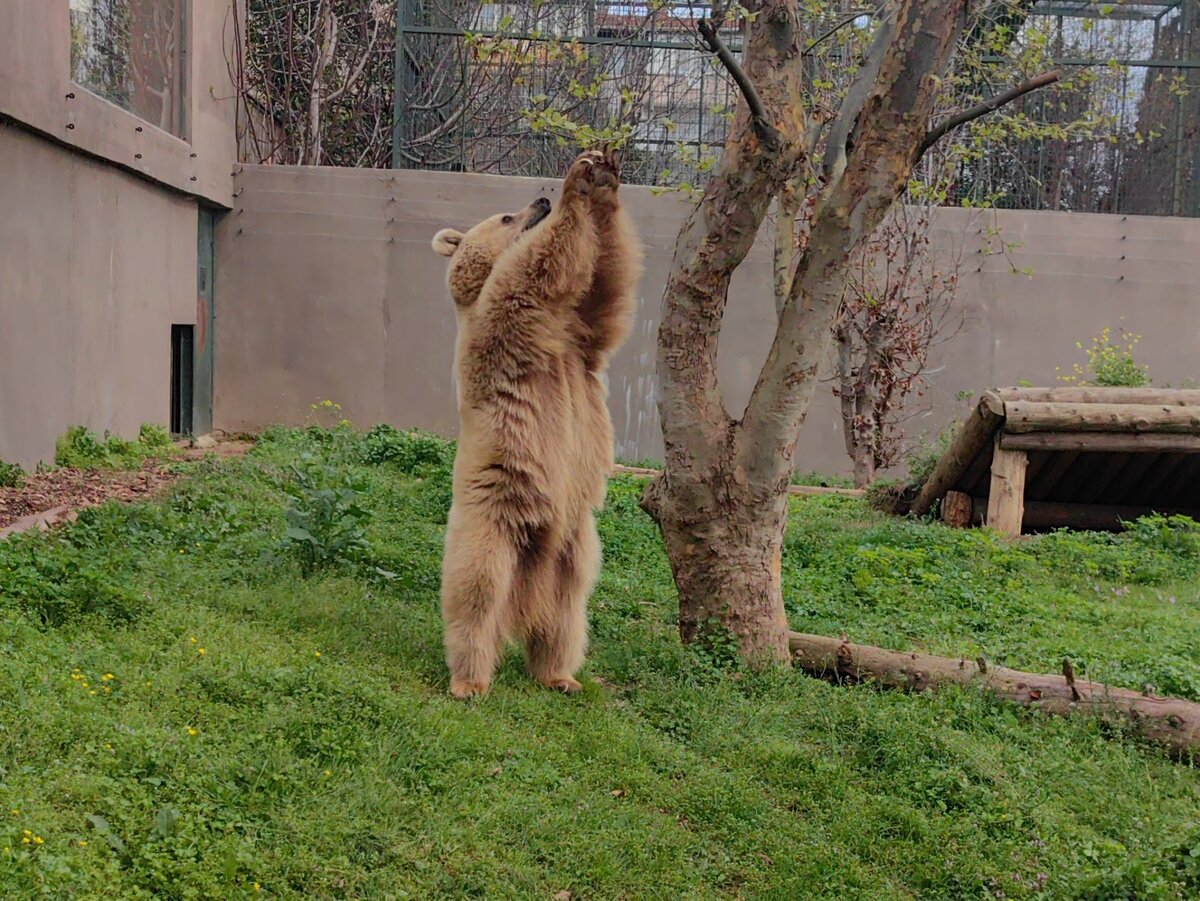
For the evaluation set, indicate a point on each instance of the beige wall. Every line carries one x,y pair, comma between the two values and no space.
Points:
98,232
36,91
95,265
328,290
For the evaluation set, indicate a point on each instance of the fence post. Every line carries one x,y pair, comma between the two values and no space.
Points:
401,81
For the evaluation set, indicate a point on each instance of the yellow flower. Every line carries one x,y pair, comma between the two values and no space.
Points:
148,683
26,832
84,684
16,812
25,840
83,843
107,677
193,731
257,887
316,653
38,840
193,639
327,773
106,689
201,651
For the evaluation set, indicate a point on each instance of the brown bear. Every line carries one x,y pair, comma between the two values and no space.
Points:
543,298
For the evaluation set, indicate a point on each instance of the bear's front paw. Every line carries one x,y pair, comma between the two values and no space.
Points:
590,171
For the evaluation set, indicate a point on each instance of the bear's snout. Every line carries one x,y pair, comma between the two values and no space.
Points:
539,210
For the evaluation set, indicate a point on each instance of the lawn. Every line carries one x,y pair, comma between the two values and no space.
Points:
198,701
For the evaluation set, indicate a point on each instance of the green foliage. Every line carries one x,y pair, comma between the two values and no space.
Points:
11,475
820,480
412,452
57,579
1109,365
251,727
326,518
922,461
81,448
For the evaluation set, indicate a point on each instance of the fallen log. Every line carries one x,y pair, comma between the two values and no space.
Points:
799,490
1172,722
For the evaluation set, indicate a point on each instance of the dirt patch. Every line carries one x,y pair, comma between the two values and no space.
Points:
46,498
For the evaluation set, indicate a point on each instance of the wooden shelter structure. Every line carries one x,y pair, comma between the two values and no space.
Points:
1030,459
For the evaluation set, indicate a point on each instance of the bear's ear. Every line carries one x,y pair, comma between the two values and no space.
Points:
446,242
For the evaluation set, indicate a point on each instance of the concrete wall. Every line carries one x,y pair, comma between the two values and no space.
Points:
98,232
95,265
36,91
329,290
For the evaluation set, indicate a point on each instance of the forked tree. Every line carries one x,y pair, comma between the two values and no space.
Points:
721,501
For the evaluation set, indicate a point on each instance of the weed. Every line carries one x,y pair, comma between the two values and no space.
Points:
1109,365
81,448
11,475
326,519
414,452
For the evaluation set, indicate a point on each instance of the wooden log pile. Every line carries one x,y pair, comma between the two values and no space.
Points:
1091,433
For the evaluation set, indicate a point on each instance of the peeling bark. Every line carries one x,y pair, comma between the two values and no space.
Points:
721,502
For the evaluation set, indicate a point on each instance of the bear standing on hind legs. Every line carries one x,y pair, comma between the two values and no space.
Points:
542,298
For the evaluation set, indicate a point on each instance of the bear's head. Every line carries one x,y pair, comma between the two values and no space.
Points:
472,255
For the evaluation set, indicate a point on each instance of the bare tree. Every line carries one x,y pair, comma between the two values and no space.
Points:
721,503
897,307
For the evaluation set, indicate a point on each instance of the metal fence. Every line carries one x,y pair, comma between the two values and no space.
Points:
514,87
482,87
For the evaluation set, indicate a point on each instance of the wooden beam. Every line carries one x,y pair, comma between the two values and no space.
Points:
1006,498
1102,442
1085,517
974,434
1174,397
1172,722
1031,416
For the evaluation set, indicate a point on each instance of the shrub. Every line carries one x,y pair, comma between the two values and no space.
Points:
81,448
11,475
411,452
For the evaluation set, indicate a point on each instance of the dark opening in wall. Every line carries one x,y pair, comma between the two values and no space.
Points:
183,338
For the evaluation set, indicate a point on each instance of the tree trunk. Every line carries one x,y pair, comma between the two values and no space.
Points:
864,464
723,532
725,557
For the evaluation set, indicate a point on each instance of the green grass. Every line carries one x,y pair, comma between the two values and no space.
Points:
179,698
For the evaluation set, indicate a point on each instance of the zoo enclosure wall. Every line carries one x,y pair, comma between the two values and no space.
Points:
329,290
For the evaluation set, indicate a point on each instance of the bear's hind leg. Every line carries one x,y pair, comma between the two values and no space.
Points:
477,577
556,645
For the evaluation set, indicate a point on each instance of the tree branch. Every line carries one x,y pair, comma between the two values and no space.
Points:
942,129
767,133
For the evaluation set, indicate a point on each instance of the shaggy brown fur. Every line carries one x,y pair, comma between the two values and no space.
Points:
543,299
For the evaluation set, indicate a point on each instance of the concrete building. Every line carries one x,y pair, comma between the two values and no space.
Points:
117,144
